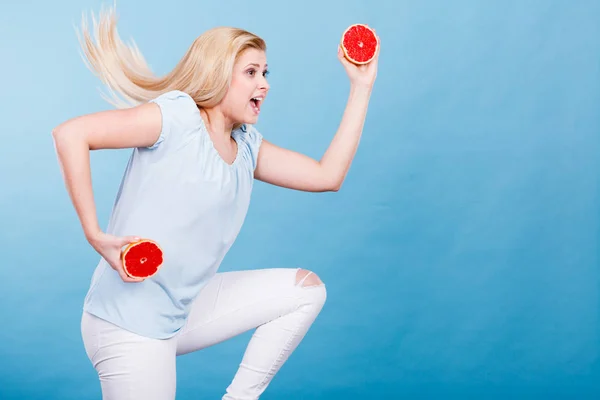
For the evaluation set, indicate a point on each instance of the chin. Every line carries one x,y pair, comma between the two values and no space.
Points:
251,120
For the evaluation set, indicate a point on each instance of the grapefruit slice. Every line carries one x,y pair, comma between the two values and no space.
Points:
359,43
142,259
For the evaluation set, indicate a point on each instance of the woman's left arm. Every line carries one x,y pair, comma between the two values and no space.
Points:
293,170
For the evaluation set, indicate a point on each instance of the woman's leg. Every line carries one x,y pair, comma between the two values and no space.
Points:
129,366
281,303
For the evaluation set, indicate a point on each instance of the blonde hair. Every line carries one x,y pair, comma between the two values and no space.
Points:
204,72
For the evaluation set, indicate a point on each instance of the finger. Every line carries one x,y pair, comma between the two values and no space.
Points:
378,46
127,278
132,239
118,267
128,240
342,57
374,61
340,52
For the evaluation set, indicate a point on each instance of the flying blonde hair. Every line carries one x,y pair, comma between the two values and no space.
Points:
204,72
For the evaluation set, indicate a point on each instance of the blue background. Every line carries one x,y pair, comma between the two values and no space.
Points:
461,255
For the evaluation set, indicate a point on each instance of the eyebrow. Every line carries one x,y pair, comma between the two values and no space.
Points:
256,65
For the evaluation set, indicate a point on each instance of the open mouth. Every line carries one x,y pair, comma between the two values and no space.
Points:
255,103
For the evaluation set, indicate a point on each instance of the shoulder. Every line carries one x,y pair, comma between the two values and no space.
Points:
176,102
173,95
180,115
251,134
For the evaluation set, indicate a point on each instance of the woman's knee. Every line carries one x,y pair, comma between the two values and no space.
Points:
312,287
306,278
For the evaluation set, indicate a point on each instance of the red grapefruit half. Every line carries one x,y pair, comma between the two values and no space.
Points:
142,259
359,43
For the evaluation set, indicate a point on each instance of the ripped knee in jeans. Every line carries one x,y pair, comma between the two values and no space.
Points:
306,278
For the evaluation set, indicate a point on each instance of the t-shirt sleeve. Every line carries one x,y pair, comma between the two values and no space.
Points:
180,116
252,140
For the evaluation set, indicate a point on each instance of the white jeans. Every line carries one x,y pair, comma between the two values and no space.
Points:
281,307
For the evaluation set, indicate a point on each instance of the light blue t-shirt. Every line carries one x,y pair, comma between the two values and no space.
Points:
182,194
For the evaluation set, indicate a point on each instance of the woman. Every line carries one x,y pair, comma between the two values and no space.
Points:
187,186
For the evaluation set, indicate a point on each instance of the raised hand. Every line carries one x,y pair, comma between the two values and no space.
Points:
361,75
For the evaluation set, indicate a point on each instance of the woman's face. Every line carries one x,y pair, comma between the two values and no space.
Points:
248,88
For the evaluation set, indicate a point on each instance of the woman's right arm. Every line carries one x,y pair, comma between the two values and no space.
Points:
139,126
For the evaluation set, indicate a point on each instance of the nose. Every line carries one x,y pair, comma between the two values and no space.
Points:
264,84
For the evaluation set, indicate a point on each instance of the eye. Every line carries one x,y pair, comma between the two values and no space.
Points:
251,72
266,73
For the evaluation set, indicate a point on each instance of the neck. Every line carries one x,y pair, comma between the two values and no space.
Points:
218,126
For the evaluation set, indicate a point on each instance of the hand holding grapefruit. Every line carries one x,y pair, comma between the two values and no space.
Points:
110,249
358,52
